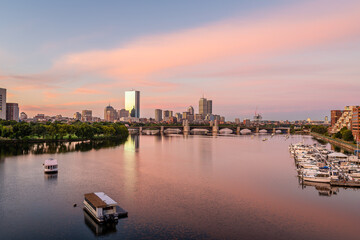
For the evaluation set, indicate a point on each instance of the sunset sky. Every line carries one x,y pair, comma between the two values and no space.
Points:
289,59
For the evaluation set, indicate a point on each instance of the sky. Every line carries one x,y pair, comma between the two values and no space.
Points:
287,60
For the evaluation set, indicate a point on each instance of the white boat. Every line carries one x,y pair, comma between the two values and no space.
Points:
103,208
50,165
322,177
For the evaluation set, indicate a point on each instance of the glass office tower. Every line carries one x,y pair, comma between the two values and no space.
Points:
132,103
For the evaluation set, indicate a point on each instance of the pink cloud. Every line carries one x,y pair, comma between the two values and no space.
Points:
281,32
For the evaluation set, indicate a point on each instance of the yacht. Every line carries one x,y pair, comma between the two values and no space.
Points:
50,165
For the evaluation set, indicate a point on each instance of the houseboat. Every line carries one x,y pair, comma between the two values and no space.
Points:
103,208
50,166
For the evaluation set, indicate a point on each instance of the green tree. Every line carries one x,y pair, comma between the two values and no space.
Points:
347,135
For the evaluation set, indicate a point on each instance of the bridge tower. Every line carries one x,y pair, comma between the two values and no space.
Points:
186,126
215,128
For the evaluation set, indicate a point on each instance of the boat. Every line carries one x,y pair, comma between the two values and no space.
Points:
50,166
320,177
265,139
103,208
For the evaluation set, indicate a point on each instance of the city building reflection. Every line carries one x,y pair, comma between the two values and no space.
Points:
131,163
51,177
132,143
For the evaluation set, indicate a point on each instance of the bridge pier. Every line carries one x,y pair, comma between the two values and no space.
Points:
274,130
288,131
215,128
140,130
161,129
238,130
186,127
257,130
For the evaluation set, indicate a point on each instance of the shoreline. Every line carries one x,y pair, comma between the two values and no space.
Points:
15,141
337,142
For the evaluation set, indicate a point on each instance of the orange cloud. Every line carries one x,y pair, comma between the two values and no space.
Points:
281,32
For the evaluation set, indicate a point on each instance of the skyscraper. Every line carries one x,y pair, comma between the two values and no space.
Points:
110,114
123,113
3,103
166,115
191,110
158,115
86,115
12,111
203,106
77,116
209,107
132,103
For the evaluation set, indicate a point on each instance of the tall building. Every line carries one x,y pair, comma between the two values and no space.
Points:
132,103
122,113
178,116
209,106
158,115
86,116
203,106
191,110
171,113
77,116
3,103
12,111
345,119
356,123
335,115
166,114
110,114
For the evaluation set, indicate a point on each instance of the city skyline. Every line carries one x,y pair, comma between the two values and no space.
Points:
267,55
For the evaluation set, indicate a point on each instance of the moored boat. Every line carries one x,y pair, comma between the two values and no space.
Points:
103,208
50,166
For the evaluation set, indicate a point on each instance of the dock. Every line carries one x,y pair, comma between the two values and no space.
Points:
343,183
121,212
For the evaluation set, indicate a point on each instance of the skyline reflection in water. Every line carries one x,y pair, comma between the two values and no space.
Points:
186,187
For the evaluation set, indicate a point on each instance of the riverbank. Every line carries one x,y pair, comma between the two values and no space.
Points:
337,142
46,140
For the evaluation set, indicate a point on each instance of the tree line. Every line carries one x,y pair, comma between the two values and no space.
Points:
344,133
58,130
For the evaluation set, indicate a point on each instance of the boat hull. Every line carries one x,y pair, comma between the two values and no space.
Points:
317,179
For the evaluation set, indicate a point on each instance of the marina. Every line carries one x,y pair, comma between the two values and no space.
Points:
315,163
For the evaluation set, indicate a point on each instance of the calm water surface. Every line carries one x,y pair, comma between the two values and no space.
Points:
195,187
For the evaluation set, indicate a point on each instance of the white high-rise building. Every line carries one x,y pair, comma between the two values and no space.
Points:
3,103
132,103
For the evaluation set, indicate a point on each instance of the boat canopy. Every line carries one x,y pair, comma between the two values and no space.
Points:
100,199
50,162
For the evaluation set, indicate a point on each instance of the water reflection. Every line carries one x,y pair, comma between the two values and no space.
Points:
324,189
55,147
132,143
99,229
51,177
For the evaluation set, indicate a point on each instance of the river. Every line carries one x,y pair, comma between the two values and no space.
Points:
174,187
